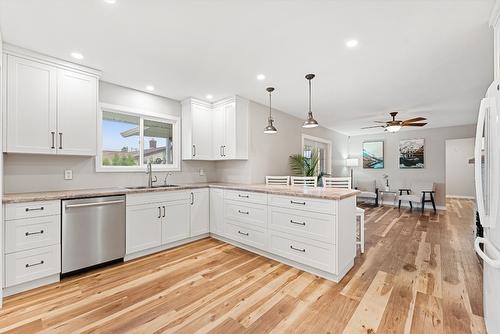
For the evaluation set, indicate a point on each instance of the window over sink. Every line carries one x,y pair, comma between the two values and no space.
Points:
129,139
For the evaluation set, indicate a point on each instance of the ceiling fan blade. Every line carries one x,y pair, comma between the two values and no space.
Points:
376,126
380,122
413,124
416,119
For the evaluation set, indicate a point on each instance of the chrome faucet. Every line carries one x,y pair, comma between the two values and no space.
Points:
166,177
150,175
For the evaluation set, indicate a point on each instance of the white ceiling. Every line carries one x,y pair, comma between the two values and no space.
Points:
423,58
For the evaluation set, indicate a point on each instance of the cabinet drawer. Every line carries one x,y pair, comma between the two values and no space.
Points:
158,197
32,209
29,265
246,196
314,254
302,203
249,236
249,213
312,225
24,234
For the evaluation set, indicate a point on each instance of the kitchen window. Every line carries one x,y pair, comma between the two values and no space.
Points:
130,139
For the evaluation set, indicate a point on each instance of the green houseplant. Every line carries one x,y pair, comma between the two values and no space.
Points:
302,166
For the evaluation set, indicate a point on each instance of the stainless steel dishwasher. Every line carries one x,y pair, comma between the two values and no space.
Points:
93,231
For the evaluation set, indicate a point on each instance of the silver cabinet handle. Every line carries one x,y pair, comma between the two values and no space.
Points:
159,212
243,233
60,141
294,202
194,150
53,139
220,151
34,209
224,150
243,212
192,198
297,223
83,205
243,196
303,250
164,211
34,264
33,233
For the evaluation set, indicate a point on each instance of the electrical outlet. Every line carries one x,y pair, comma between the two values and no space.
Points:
202,172
68,174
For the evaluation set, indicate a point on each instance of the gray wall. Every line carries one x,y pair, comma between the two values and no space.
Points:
268,154
24,172
459,172
434,159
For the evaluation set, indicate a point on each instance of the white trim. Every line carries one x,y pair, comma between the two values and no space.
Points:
142,114
460,197
324,141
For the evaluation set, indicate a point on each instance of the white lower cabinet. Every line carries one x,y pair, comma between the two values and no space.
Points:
217,211
143,228
200,211
175,221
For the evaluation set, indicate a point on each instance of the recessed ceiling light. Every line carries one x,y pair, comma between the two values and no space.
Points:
77,55
110,1
261,76
209,96
352,43
150,88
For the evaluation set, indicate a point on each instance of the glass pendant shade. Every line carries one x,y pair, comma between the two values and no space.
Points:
310,121
270,128
393,128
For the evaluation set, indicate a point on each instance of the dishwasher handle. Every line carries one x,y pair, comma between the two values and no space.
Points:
84,205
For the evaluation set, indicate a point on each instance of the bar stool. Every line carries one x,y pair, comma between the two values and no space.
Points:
360,213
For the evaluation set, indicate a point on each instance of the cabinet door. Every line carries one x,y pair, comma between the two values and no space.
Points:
219,132
175,221
229,150
31,106
200,212
76,113
143,227
216,211
201,133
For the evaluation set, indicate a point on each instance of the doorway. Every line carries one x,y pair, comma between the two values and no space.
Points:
460,168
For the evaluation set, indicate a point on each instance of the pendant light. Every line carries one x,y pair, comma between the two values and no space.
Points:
310,121
270,127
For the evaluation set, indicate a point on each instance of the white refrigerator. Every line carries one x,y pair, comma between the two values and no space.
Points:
487,178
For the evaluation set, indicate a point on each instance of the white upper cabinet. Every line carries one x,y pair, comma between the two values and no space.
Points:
216,131
31,106
51,105
76,113
196,130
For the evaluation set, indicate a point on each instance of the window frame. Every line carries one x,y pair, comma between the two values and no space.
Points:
328,143
142,115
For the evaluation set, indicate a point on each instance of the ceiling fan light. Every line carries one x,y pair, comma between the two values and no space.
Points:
310,122
393,128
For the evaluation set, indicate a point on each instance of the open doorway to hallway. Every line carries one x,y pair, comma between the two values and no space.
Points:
460,168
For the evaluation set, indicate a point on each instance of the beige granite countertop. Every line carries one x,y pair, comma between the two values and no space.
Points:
324,193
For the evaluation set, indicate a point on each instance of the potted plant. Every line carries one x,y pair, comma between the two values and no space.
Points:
304,166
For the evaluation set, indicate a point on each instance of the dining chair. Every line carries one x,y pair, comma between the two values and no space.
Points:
278,180
306,181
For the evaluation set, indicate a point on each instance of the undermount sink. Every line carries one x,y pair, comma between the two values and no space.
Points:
153,187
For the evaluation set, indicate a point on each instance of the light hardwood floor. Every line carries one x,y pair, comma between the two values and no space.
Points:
419,275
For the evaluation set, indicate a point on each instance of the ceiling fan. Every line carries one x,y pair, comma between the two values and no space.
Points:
395,125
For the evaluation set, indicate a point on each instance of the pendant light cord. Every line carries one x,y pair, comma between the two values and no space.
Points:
270,116
309,95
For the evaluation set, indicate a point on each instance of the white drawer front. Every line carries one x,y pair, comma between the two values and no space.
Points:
24,234
308,252
249,236
312,225
32,264
302,203
246,196
252,214
32,209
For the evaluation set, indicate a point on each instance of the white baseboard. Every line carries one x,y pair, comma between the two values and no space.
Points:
460,197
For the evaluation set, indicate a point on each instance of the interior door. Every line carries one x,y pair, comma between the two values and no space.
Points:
175,221
31,106
76,113
202,133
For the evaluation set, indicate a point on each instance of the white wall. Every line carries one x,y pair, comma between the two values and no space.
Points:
268,153
459,172
434,158
24,172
